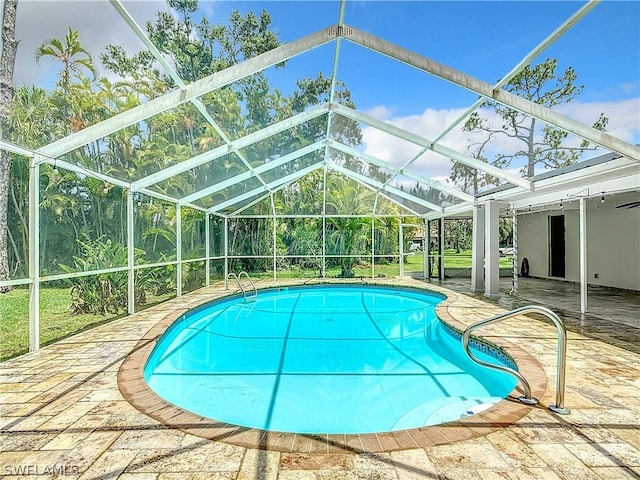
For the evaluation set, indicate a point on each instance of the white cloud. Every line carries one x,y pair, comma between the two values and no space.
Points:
624,116
398,152
96,20
381,112
624,123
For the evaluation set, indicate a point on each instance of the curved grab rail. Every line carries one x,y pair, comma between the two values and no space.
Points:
255,290
561,358
233,275
237,278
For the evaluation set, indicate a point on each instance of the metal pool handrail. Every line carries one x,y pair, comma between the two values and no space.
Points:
255,290
561,358
237,277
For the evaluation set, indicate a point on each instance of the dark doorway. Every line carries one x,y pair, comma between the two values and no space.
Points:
556,246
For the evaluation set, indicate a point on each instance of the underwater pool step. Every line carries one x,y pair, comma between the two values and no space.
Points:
442,410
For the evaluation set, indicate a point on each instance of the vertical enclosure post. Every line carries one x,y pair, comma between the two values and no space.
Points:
491,249
324,246
477,250
401,248
179,250
373,246
207,248
583,255
131,298
373,237
429,252
273,210
226,253
324,223
514,257
441,248
425,248
34,254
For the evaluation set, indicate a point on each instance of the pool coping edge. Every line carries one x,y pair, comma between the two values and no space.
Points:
136,391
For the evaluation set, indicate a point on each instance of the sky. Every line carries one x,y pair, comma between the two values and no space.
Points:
483,39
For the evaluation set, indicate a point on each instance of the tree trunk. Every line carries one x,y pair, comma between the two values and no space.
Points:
7,64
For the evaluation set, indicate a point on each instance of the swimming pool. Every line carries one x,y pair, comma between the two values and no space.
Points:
329,359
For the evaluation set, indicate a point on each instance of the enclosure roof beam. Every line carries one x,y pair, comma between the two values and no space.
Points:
382,187
449,211
488,91
600,187
114,181
334,74
191,91
80,170
561,30
621,170
257,200
386,195
223,150
256,171
423,142
443,187
174,75
265,188
10,147
261,198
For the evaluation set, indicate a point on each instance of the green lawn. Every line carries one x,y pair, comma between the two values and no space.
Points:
55,321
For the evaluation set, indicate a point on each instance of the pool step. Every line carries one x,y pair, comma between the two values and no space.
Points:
442,410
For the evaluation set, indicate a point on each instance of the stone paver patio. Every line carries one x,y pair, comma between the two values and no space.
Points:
64,415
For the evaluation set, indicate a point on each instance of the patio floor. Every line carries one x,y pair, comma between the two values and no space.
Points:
64,416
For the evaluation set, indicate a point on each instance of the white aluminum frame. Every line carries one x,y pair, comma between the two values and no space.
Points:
617,175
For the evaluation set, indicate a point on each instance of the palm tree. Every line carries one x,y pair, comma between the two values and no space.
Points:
7,63
70,52
348,235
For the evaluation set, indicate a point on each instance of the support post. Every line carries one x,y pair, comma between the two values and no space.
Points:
131,297
425,247
324,222
441,248
401,248
491,249
583,255
179,250
273,211
429,252
477,250
207,248
226,253
514,258
34,254
373,245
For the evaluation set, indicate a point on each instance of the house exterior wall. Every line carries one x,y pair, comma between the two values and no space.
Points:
613,242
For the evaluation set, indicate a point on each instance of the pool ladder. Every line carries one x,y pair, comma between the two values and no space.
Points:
561,358
244,291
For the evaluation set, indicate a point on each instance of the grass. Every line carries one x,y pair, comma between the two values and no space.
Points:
463,260
55,321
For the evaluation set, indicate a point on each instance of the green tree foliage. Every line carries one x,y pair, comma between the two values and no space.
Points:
348,236
70,52
78,206
7,64
541,145
107,292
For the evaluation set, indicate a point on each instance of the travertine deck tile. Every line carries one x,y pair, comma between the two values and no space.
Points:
63,406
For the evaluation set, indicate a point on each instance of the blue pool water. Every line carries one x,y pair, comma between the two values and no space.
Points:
330,359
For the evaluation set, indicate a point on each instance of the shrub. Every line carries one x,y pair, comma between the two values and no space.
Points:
105,292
